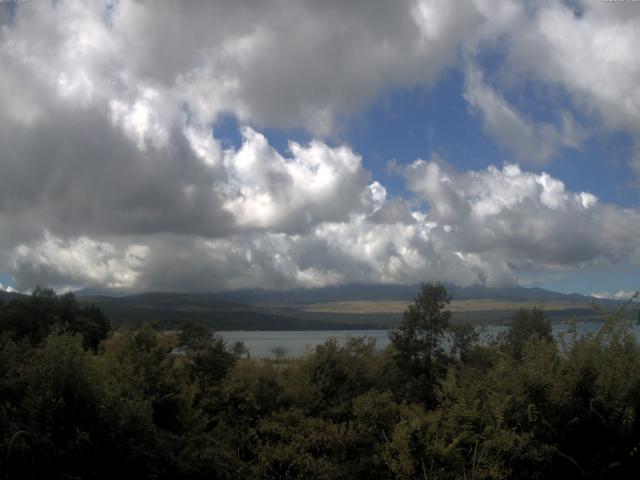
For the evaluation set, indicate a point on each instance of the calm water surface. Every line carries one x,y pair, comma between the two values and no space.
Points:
261,343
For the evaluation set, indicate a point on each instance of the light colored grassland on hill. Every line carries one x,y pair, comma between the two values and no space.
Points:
393,306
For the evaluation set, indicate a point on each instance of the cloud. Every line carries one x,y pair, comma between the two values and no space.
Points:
619,295
524,217
77,262
481,227
317,184
284,65
86,174
7,289
111,175
592,55
101,137
582,51
536,142
332,253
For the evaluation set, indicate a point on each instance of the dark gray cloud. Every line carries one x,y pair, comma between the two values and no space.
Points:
289,64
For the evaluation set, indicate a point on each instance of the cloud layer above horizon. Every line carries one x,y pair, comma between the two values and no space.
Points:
111,174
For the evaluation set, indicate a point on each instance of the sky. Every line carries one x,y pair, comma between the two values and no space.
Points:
208,146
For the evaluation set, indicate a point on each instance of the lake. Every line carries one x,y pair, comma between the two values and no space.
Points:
261,342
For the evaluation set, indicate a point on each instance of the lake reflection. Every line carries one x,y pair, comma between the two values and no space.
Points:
295,343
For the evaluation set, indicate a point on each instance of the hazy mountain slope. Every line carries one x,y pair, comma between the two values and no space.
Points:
297,309
6,297
169,310
391,292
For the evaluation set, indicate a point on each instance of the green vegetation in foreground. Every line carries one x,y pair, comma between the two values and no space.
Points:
80,401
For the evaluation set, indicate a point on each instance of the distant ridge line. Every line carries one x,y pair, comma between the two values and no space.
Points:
356,291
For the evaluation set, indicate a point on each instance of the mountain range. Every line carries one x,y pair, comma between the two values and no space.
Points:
341,293
297,309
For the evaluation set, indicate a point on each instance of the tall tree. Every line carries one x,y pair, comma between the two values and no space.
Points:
209,359
526,324
418,341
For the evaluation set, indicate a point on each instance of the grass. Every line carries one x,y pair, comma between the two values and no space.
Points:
386,306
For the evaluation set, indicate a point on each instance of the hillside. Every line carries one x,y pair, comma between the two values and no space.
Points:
6,297
358,292
330,308
339,307
169,310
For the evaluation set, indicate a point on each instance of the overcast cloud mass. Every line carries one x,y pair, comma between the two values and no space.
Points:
111,174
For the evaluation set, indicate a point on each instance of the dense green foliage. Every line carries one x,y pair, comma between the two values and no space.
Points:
149,404
34,317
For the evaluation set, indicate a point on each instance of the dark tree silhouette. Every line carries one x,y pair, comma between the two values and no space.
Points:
526,324
418,339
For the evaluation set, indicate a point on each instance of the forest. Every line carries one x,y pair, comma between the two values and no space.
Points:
81,400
